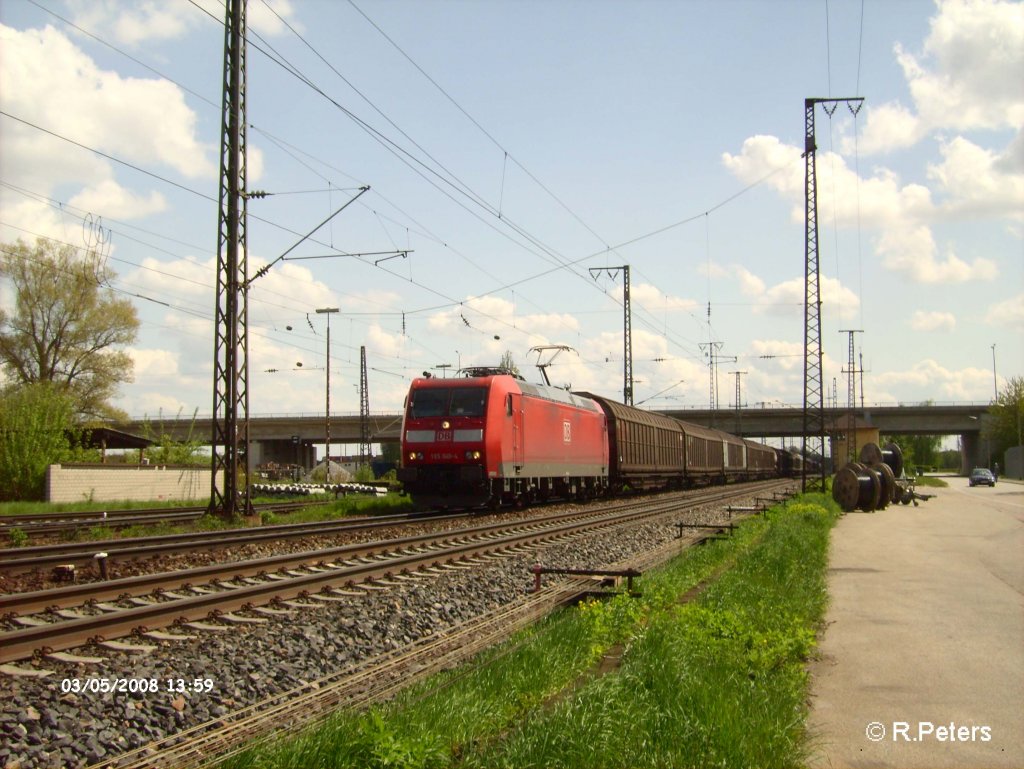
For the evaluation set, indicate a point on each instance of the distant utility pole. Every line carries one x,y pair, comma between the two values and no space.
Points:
328,311
739,407
710,349
714,359
851,397
627,335
364,410
995,382
814,389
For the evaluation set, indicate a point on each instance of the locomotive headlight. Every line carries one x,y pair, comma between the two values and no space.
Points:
472,455
446,425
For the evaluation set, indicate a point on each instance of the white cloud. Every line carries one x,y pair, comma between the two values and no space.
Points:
1009,313
384,343
139,120
480,317
132,23
876,201
928,376
787,298
978,181
974,181
135,22
933,321
145,122
785,355
763,155
269,18
654,299
967,77
710,269
116,202
750,284
888,127
912,251
153,364
969,74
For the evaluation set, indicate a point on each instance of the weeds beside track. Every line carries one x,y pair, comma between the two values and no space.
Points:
718,680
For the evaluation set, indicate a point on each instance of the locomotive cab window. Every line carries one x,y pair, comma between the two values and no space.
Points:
468,401
448,401
428,402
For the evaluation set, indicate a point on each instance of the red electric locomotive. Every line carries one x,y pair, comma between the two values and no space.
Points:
494,438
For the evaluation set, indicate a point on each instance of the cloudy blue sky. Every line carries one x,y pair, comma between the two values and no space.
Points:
513,146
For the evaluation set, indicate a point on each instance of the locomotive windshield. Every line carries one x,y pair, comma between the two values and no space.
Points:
448,402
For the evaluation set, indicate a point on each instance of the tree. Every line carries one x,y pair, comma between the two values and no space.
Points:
508,365
34,426
918,450
65,327
1006,417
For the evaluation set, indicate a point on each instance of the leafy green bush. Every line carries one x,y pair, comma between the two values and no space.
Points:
36,425
18,537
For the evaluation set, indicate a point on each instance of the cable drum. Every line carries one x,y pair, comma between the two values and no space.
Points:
892,456
871,483
890,491
856,487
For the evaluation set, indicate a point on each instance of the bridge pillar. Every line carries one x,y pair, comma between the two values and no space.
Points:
283,452
974,452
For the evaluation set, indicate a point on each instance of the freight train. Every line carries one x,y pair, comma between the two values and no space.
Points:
493,439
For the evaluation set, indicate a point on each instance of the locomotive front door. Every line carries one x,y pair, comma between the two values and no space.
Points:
518,436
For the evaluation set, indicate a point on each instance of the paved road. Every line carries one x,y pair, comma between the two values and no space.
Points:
922,660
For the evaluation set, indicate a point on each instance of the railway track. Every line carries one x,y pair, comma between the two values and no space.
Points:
378,678
23,559
18,560
50,524
57,619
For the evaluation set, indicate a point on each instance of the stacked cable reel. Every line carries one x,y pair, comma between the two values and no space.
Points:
874,482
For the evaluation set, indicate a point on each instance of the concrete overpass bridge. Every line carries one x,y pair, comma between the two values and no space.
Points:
291,438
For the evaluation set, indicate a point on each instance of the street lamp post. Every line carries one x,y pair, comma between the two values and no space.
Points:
995,383
328,311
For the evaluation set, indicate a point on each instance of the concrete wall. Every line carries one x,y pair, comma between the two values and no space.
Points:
113,483
1014,466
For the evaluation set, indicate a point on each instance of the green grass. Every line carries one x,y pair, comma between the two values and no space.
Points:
344,506
928,480
719,681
